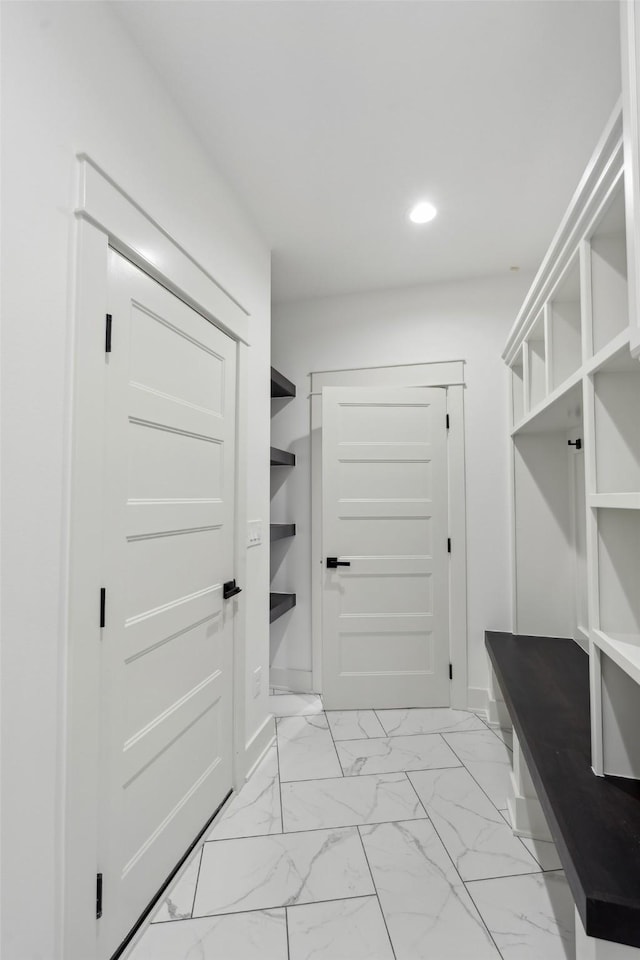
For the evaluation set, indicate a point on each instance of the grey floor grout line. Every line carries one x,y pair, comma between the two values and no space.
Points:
279,782
286,927
373,881
380,773
335,750
195,889
281,906
513,876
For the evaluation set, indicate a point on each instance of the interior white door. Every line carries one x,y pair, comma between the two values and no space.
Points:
385,615
166,711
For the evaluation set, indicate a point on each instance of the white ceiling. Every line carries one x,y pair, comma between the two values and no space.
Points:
329,119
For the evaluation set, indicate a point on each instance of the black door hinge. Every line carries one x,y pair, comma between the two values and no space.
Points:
447,421
575,443
98,896
448,544
103,606
107,334
450,671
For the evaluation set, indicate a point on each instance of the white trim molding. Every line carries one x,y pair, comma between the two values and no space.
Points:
142,240
449,374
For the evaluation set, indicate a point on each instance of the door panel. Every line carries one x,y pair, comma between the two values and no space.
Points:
385,510
168,546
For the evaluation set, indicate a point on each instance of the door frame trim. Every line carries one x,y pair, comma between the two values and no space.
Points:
449,374
108,217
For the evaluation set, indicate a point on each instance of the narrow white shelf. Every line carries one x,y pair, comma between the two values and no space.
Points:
561,410
623,649
615,356
615,501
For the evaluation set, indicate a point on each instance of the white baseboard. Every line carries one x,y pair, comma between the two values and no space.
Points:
258,745
478,699
296,681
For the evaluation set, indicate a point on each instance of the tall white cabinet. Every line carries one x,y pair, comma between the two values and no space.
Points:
575,430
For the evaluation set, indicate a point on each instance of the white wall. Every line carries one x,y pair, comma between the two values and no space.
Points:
72,81
465,320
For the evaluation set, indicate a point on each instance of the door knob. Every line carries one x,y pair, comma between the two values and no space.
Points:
230,589
333,562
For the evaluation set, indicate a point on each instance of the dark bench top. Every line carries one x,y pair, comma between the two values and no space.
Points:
595,821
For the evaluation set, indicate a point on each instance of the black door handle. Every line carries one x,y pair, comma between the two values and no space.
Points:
230,590
333,562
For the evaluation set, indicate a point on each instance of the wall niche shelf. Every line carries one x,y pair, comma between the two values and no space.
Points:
282,458
280,531
280,386
279,603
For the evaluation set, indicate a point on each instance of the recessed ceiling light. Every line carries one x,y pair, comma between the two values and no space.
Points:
423,212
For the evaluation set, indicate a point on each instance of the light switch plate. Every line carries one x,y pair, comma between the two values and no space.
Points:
254,533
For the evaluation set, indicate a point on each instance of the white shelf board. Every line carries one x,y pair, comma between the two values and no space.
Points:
561,410
615,501
615,357
623,649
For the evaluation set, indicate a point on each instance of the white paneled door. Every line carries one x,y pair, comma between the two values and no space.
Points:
166,710
385,611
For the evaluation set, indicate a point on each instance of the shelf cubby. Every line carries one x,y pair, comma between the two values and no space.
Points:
617,427
536,372
282,458
279,531
565,328
280,603
619,571
280,386
609,304
559,412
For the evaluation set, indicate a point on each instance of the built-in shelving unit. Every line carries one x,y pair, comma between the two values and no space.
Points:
576,511
280,603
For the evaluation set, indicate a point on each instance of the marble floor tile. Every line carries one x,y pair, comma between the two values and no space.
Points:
294,704
255,810
280,870
392,754
178,903
314,804
545,852
306,749
429,914
487,759
339,930
261,935
354,724
433,720
473,831
530,918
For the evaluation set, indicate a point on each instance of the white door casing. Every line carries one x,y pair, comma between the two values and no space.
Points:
167,644
385,618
